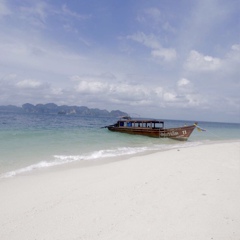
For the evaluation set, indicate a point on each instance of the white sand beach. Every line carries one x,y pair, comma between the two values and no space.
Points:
186,193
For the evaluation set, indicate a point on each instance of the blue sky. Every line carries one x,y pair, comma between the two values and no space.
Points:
171,59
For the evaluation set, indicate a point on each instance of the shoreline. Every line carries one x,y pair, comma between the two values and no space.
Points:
187,193
102,160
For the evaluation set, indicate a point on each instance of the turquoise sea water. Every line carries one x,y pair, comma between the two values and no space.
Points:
31,142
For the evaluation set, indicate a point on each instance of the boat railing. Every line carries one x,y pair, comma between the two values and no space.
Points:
140,124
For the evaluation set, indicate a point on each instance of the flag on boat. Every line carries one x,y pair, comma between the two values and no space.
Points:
199,128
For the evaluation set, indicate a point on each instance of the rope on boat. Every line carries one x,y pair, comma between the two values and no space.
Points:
200,129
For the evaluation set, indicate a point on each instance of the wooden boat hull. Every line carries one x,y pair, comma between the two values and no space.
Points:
179,133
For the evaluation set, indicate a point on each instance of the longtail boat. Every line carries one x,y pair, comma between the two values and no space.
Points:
151,128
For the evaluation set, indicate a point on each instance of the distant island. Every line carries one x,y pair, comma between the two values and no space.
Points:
52,108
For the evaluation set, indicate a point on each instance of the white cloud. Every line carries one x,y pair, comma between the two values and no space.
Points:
92,87
116,91
222,68
233,56
169,97
183,82
159,91
198,62
236,47
152,42
68,12
28,83
35,14
184,95
147,40
167,54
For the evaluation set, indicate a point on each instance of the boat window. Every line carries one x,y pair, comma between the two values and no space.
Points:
158,125
129,124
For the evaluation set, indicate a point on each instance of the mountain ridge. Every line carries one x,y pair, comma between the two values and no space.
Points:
52,108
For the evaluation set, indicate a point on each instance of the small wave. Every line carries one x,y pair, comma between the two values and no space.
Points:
101,154
43,164
64,159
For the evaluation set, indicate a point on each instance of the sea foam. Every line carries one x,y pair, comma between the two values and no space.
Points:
107,153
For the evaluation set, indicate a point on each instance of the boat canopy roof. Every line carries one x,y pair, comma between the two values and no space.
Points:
128,119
